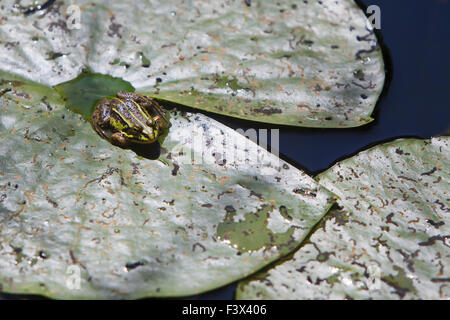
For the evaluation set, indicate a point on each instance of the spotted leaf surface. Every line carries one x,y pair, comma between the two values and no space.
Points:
300,63
80,218
389,241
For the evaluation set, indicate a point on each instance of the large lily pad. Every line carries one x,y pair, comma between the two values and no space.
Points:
199,217
392,239
300,63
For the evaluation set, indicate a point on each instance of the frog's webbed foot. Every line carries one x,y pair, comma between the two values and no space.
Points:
119,139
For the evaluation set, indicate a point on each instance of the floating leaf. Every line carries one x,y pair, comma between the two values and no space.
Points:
300,63
80,218
390,242
82,93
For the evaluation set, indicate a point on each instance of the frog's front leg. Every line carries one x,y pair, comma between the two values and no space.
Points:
119,139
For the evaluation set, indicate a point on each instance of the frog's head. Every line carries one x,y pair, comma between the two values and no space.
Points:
141,134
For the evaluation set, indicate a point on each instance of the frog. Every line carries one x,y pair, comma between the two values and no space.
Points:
129,118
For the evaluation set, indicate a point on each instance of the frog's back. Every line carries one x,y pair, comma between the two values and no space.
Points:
128,110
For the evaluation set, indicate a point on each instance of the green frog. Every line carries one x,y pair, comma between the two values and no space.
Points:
129,118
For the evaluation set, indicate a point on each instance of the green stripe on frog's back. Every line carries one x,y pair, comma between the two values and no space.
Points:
131,113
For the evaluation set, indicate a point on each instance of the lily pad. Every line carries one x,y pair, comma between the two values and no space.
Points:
391,240
80,218
299,63
82,93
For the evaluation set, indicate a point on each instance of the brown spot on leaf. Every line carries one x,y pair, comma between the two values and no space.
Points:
389,219
114,28
175,169
431,240
429,173
197,244
437,225
134,265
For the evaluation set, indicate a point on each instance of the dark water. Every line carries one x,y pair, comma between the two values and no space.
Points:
416,39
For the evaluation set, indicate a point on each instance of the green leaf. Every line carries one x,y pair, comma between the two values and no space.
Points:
391,240
299,63
82,93
74,207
